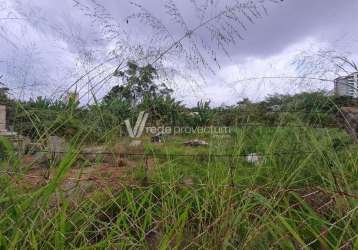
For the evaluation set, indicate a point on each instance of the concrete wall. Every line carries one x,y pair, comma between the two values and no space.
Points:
2,118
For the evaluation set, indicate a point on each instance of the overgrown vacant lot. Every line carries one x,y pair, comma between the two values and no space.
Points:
302,193
178,124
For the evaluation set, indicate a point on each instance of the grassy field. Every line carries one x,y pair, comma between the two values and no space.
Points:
302,194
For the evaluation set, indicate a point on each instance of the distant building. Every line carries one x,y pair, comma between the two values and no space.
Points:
347,85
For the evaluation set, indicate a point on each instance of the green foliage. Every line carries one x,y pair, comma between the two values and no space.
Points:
140,92
35,118
312,109
138,84
115,112
201,115
190,203
42,116
6,149
163,110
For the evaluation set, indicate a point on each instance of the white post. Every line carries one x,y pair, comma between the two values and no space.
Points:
2,118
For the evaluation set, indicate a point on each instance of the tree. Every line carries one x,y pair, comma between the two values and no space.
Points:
138,84
203,113
139,91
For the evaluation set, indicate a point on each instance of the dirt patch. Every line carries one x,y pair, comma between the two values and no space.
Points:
322,203
34,178
78,182
112,173
104,176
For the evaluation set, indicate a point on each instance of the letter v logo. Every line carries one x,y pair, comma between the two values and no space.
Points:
137,131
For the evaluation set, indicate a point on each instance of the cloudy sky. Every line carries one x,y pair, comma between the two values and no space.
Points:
220,50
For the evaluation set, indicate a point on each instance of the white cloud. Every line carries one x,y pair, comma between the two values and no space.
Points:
254,77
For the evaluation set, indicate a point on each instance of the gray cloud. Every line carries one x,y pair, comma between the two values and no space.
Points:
294,21
70,39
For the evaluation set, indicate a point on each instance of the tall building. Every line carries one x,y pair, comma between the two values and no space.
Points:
347,85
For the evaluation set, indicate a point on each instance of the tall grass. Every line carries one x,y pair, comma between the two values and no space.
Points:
305,196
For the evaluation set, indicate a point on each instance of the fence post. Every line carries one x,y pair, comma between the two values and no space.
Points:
231,162
146,179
